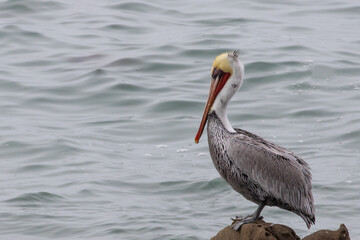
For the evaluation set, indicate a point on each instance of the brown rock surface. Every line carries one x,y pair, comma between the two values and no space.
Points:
258,230
261,230
341,234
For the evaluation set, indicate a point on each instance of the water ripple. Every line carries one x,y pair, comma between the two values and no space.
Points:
40,197
30,7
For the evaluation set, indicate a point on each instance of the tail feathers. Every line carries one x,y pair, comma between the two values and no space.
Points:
308,219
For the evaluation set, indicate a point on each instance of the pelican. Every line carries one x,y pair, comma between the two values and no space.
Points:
261,171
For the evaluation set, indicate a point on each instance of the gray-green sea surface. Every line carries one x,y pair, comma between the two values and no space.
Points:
100,102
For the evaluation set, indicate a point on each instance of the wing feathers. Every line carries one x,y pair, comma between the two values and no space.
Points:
283,175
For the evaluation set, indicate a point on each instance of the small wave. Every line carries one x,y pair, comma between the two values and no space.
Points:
352,10
125,62
271,66
190,187
310,112
223,21
34,168
351,136
37,197
204,53
126,28
86,193
297,29
164,67
294,48
27,7
176,106
93,57
135,7
16,34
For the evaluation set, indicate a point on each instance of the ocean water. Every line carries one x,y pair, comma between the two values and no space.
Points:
100,102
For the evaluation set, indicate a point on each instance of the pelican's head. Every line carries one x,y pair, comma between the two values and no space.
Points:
226,78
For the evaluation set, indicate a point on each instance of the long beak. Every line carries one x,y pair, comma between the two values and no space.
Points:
210,101
216,85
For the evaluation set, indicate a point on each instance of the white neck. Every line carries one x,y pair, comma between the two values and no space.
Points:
224,96
223,118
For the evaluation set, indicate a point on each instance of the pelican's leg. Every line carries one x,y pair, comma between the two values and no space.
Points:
248,219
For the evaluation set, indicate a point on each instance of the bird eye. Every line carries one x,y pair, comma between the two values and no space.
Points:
216,72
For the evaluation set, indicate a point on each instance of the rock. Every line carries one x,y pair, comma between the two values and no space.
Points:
258,230
261,230
341,234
